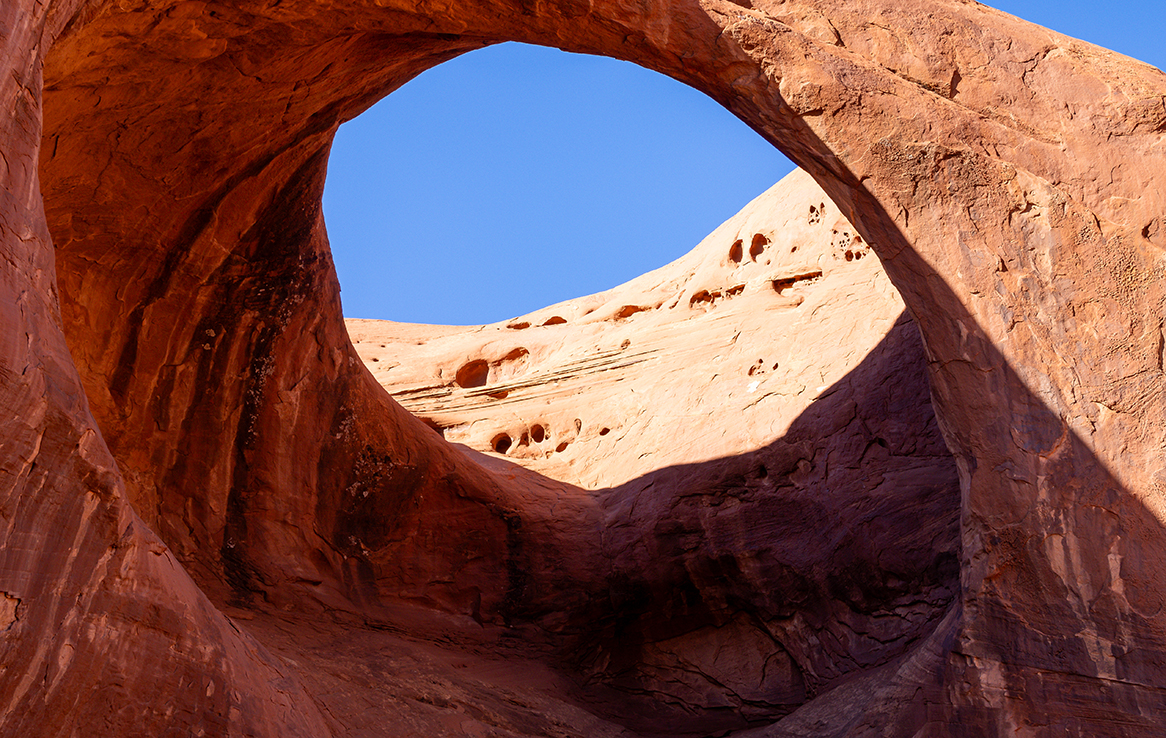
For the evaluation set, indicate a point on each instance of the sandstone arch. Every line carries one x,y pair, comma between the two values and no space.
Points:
1007,177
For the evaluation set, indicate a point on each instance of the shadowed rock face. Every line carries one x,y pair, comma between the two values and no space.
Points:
181,396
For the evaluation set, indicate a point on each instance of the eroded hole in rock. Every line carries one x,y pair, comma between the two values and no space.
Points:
628,311
537,433
703,297
473,374
501,443
712,603
735,252
784,283
757,246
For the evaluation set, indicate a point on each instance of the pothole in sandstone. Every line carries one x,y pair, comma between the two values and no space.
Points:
757,412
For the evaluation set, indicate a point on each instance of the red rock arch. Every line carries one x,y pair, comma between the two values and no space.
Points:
1006,177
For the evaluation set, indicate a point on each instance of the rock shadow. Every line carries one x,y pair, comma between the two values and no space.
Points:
742,587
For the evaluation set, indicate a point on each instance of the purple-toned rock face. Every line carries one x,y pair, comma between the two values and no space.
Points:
189,434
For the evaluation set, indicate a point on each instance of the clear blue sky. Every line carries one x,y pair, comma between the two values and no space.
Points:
515,177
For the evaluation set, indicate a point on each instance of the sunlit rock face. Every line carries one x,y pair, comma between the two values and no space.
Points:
712,356
207,498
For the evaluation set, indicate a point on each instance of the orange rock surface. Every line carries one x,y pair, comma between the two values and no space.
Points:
214,521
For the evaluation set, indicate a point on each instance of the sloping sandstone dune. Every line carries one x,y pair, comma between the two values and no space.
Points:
215,521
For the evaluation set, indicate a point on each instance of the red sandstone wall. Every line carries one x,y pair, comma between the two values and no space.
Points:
1007,176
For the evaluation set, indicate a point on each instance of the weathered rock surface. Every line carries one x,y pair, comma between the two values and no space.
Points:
180,395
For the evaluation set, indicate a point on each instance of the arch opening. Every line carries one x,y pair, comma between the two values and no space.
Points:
211,347
363,536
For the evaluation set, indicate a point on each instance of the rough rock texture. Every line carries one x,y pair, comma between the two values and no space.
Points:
101,626
179,367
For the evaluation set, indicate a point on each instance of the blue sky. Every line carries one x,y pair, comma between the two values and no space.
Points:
515,177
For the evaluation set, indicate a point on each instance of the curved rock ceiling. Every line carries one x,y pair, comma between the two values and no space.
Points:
215,520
